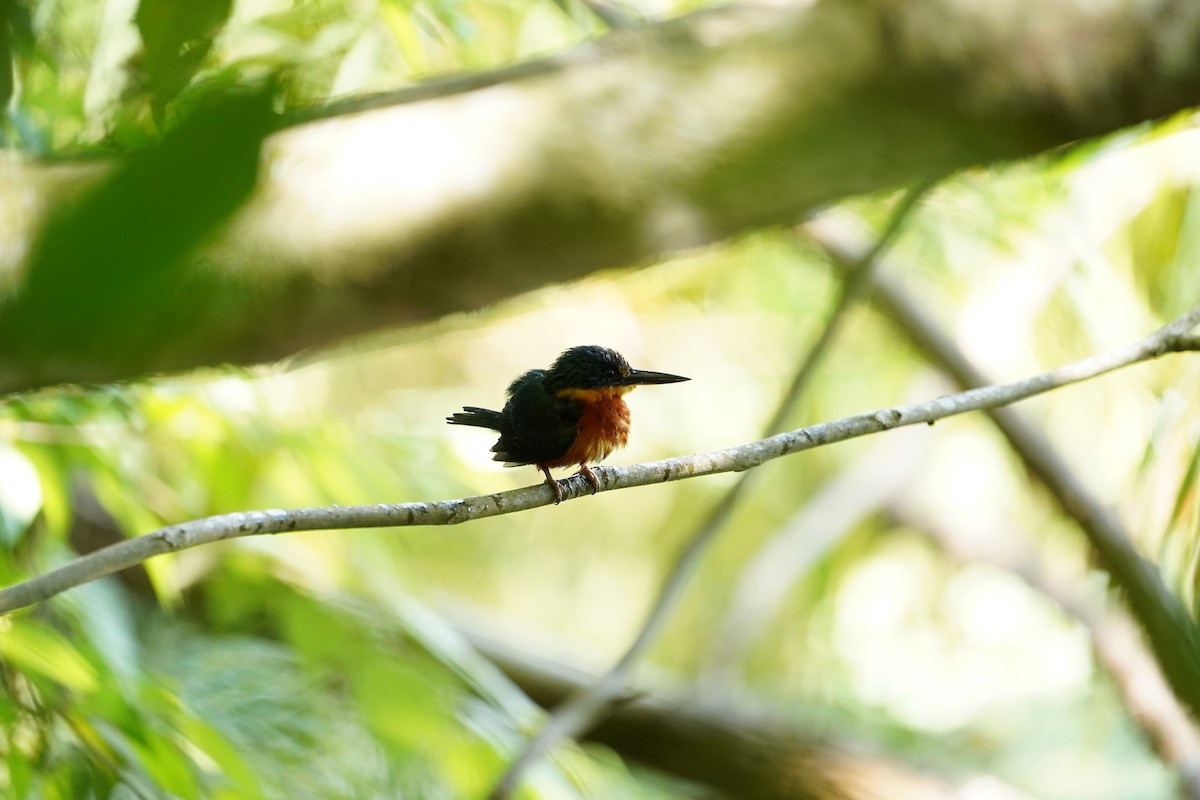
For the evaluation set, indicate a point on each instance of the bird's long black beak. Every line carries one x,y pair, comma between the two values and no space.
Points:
642,377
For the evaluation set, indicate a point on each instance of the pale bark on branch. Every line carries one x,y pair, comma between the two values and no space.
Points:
1173,338
641,144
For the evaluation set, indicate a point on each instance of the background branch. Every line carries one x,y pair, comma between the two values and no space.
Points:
616,153
736,748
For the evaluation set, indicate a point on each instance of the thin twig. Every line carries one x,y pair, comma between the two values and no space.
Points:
1169,628
857,278
1172,338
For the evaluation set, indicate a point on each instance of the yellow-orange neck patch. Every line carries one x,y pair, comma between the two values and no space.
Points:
593,395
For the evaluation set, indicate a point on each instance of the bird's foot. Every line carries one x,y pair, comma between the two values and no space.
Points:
586,472
553,485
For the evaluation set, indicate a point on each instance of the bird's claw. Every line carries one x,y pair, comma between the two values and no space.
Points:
584,470
587,473
554,485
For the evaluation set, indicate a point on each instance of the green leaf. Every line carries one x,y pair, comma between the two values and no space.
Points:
233,767
35,648
20,773
106,278
8,11
176,38
103,617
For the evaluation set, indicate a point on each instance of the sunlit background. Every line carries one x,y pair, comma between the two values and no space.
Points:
333,664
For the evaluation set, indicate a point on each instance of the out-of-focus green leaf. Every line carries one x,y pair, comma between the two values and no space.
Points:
20,773
105,277
407,700
401,703
153,755
8,10
32,646
101,611
232,766
53,480
176,38
16,36
452,650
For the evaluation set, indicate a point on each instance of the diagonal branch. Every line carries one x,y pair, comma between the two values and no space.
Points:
1173,338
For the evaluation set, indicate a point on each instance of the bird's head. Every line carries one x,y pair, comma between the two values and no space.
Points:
589,372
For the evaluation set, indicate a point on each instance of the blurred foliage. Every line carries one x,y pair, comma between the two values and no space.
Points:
326,666
119,247
107,74
176,40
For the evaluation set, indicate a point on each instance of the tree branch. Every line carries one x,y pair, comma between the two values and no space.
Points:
644,143
1171,338
737,748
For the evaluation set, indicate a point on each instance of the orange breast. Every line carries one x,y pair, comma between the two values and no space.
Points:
603,428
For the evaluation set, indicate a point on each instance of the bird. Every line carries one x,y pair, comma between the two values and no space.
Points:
572,413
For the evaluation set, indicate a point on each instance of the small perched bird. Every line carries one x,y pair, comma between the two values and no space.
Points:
572,413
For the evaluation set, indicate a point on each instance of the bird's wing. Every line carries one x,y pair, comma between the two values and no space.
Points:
527,380
536,426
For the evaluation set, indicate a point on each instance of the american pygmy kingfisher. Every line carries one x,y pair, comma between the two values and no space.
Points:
572,413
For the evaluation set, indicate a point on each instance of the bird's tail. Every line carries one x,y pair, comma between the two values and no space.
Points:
479,417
